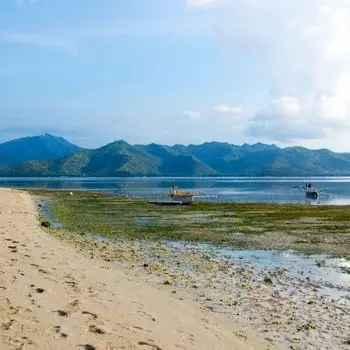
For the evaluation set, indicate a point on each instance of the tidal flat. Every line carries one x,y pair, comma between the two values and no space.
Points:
283,270
302,228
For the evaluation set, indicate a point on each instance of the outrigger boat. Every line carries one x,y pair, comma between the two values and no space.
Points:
176,197
180,196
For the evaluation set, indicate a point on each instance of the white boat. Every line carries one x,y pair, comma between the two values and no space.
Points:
311,192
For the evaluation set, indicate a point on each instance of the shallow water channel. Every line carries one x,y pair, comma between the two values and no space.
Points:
329,276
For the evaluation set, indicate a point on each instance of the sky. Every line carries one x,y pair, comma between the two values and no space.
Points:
177,71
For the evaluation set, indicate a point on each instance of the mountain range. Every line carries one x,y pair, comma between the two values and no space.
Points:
48,155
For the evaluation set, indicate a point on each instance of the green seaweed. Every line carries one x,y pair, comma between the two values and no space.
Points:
300,227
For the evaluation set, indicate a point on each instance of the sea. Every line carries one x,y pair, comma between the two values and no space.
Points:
332,190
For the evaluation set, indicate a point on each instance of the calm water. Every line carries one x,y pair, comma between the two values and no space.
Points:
333,190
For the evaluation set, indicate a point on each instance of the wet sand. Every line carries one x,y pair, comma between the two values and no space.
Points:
54,297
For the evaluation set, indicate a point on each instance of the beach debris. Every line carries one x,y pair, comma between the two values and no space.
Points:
46,223
268,280
167,283
40,290
320,263
345,269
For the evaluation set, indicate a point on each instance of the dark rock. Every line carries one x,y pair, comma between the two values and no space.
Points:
45,224
267,280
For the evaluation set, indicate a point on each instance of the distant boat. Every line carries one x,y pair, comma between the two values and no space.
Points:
180,196
311,192
176,197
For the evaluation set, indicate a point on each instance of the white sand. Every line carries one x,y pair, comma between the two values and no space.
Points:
93,297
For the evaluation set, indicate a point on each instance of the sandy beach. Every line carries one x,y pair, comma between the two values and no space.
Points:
53,297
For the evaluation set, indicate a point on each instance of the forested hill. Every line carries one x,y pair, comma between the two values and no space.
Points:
48,155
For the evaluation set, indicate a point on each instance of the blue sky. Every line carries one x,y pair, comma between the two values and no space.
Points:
176,71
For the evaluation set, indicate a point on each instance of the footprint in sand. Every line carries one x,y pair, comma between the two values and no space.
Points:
57,330
87,347
95,329
74,306
62,313
91,314
147,315
7,325
152,346
71,308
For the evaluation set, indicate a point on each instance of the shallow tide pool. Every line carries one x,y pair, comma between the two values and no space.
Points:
329,276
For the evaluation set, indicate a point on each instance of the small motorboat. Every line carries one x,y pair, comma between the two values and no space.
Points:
311,192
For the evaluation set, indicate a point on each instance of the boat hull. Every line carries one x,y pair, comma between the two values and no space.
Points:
311,193
184,199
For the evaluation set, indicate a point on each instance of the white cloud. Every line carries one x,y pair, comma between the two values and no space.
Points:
287,121
229,110
283,121
332,109
302,48
286,106
192,114
200,3
38,40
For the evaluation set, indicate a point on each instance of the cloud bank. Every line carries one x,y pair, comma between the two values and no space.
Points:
304,49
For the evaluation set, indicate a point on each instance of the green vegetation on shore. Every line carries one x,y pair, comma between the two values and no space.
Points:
47,155
323,229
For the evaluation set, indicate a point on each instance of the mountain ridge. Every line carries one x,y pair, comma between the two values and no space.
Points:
41,147
48,155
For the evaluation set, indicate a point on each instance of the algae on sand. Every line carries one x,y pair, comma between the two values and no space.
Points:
321,229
